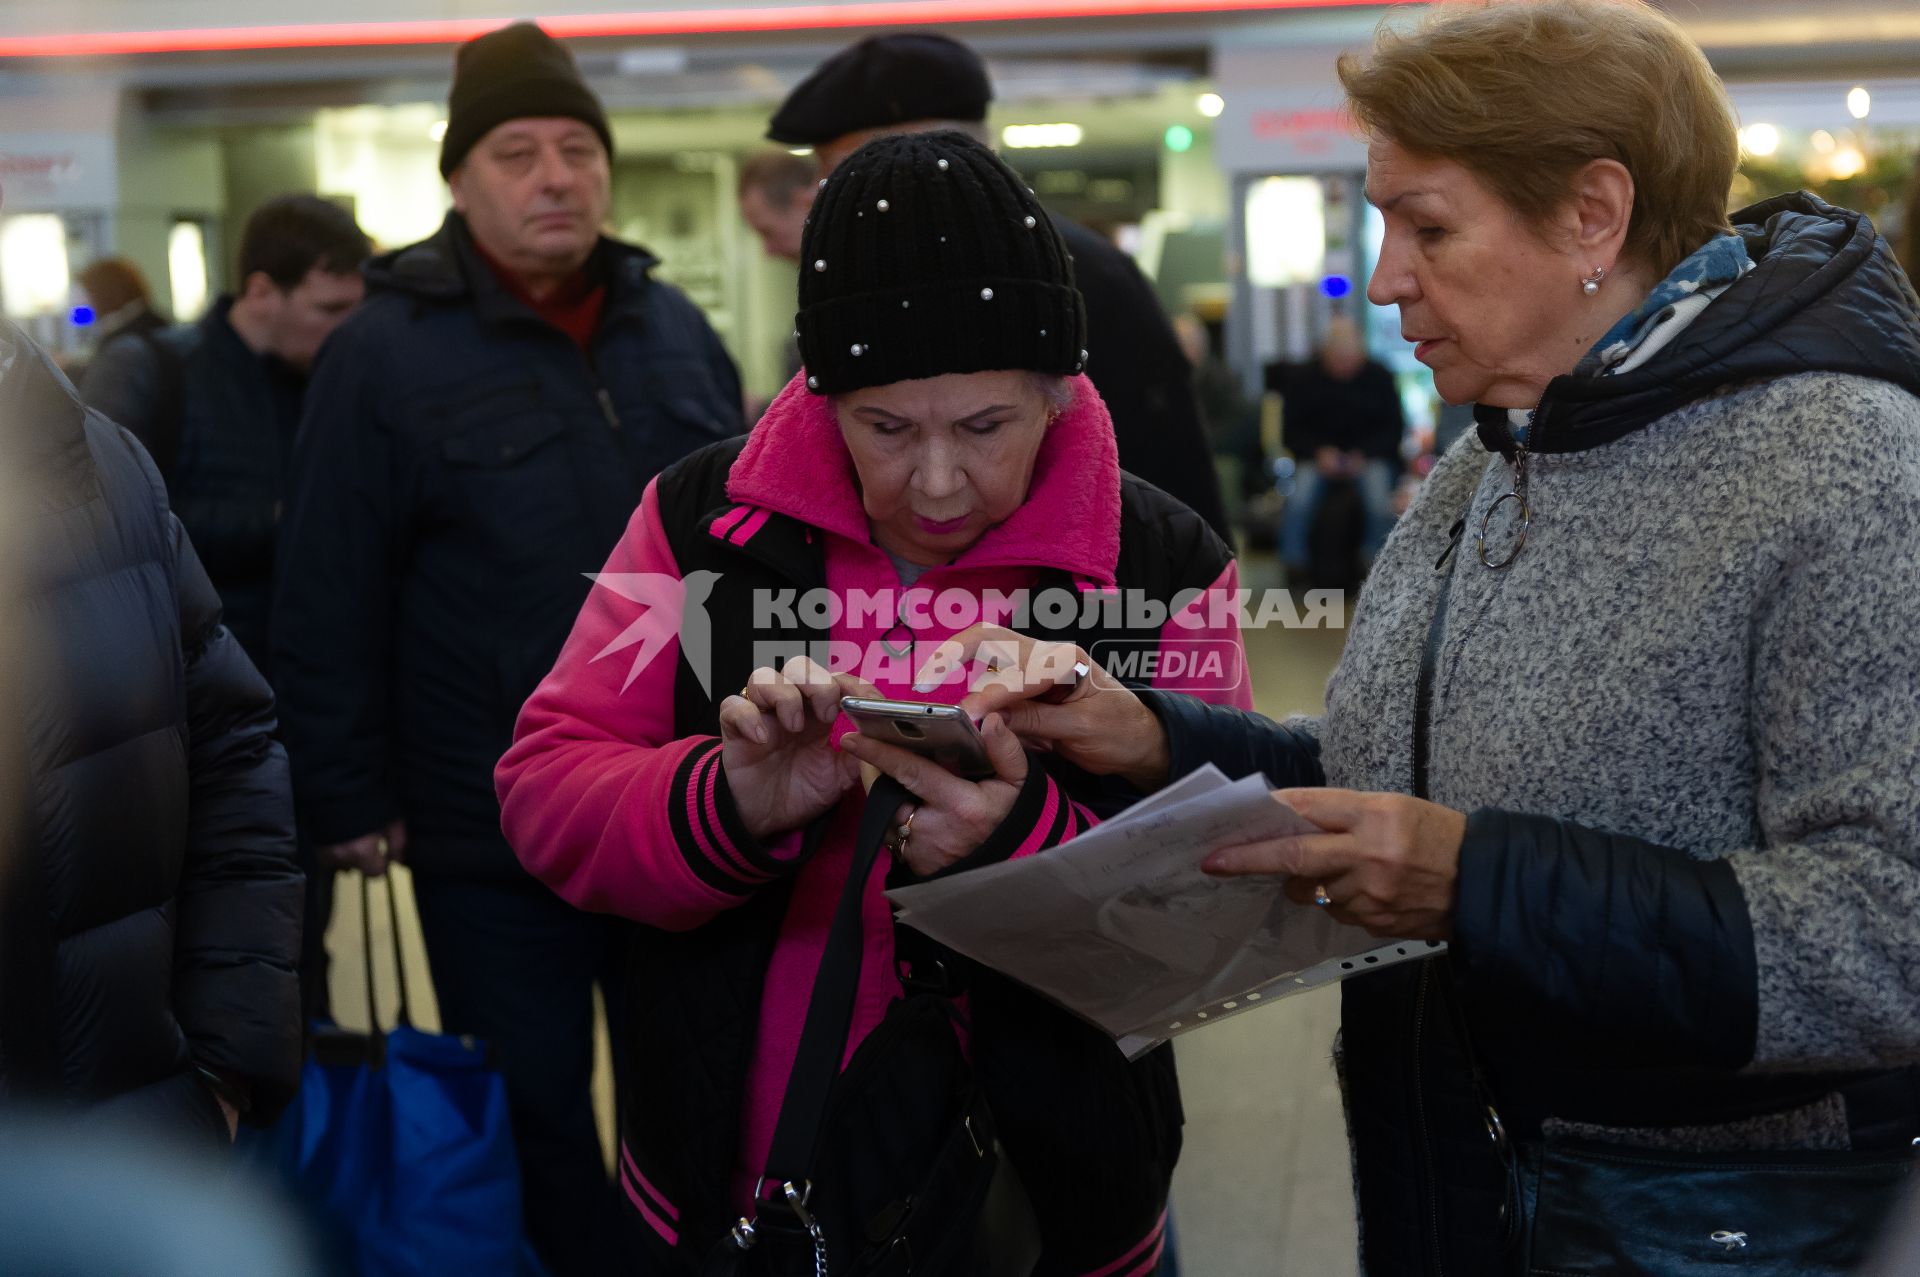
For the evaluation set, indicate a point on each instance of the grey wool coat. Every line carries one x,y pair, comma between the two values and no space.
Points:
1694,695
1684,723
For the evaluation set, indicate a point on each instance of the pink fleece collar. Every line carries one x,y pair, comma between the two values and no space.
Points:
795,463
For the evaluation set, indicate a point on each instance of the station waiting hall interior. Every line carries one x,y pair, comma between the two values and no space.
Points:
1207,141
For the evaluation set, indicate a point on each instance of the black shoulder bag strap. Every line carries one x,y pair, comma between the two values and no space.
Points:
823,1042
1438,969
1430,662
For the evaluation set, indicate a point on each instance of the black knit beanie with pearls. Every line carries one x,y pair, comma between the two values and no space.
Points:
926,255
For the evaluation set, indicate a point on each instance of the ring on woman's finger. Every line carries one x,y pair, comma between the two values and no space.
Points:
1321,898
902,834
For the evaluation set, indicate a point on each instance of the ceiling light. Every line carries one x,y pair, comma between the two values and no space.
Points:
1023,137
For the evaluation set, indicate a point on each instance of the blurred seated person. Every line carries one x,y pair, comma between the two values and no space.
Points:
1343,420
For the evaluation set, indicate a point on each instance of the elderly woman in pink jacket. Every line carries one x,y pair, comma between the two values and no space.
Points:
939,462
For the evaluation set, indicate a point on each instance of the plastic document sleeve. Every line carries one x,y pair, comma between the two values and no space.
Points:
1121,927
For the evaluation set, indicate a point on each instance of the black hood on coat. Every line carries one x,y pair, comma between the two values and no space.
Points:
1825,295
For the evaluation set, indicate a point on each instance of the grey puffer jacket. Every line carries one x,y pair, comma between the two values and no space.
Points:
1685,722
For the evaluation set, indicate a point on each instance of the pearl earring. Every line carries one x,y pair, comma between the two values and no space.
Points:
1591,284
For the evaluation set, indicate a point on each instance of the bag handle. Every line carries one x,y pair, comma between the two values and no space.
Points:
823,1040
403,1016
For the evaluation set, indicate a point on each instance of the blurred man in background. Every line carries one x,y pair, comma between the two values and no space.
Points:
149,901
776,190
1343,420
919,82
217,402
476,440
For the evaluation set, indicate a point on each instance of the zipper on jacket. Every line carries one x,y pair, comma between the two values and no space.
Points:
1523,452
605,399
1420,1115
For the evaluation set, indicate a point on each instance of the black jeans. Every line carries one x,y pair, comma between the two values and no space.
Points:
515,966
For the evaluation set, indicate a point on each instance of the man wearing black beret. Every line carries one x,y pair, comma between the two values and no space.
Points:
916,81
476,438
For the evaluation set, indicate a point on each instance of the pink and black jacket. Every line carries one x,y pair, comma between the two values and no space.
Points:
613,795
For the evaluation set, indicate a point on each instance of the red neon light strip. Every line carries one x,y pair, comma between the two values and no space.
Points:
676,22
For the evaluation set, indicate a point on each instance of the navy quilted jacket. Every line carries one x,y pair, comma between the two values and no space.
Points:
150,907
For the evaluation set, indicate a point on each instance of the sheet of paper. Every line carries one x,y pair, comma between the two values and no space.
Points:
1121,926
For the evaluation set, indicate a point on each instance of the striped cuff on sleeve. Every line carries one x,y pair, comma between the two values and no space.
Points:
708,830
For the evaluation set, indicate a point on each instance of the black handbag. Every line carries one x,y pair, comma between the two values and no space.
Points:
891,1166
1580,1208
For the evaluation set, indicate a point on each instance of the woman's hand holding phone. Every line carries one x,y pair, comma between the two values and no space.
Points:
1091,720
775,748
953,816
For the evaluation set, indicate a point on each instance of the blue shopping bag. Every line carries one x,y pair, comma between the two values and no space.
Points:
399,1147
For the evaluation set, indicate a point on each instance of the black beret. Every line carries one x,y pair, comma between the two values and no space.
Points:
882,81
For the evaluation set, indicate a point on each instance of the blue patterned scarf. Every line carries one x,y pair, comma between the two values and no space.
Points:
1675,302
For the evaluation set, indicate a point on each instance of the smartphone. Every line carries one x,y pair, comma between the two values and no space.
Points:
942,733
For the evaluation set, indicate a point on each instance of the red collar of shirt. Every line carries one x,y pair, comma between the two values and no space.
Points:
574,307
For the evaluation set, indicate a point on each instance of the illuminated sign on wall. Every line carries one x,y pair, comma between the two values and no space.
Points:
54,171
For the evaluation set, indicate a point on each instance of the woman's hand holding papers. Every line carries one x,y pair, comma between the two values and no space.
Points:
1386,862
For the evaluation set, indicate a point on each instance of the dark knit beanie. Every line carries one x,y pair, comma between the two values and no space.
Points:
882,81
516,73
927,255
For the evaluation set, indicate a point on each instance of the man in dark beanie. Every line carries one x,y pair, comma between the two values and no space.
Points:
476,438
918,81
